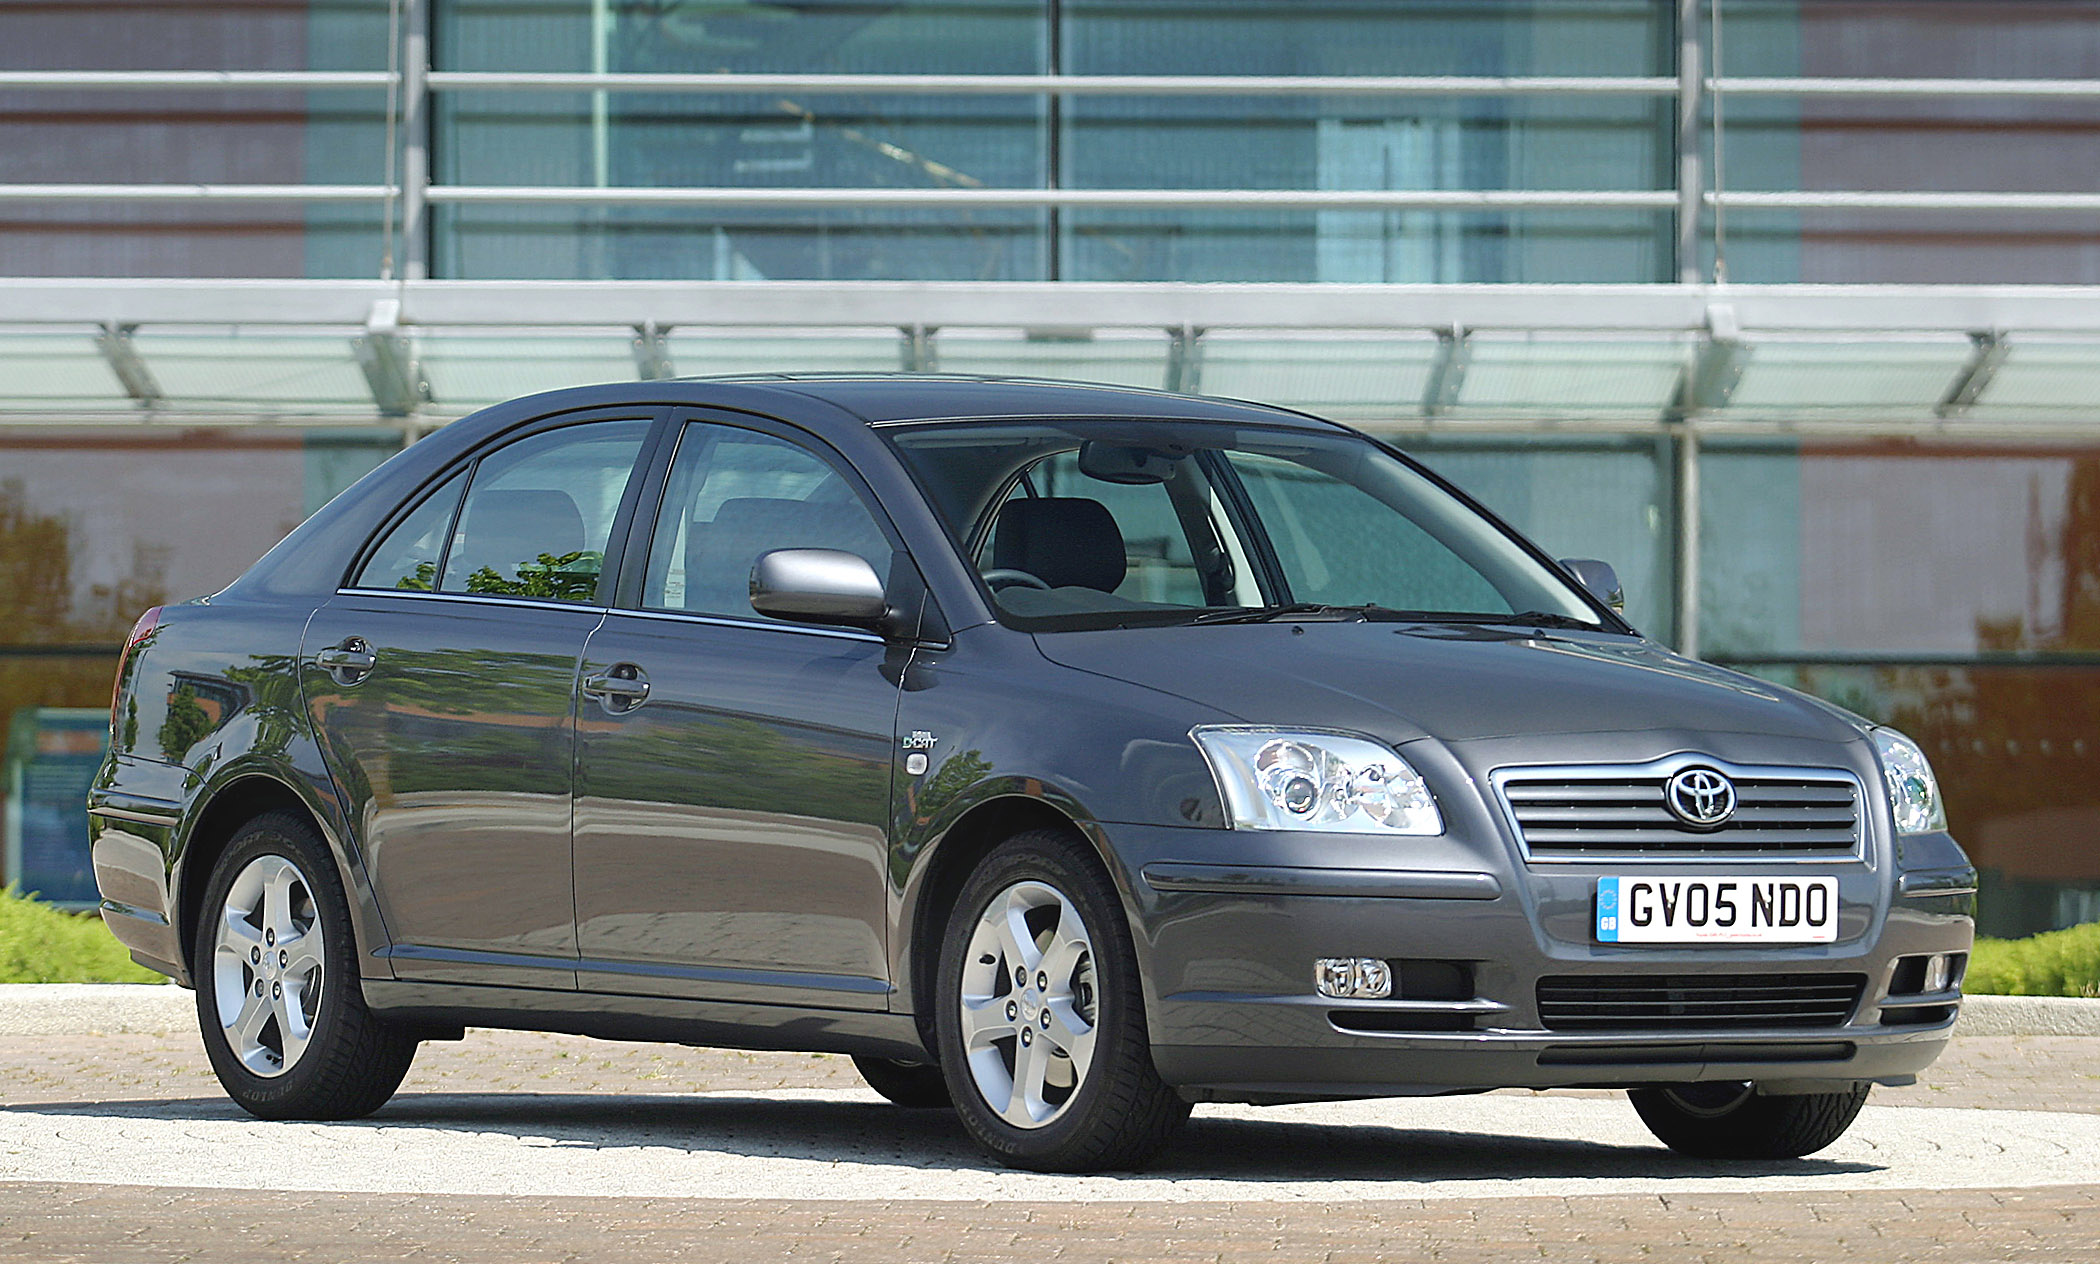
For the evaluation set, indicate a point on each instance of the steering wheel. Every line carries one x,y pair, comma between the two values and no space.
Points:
1007,577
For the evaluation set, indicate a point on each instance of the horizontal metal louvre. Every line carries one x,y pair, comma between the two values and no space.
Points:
1649,1002
1568,816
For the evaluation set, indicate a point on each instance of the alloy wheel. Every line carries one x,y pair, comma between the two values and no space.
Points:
268,965
1028,1004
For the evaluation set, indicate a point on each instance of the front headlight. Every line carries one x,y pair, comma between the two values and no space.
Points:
1914,792
1279,779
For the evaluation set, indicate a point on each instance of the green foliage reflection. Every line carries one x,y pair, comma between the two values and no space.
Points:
563,577
187,723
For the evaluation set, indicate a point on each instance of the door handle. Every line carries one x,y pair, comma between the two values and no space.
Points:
619,688
349,662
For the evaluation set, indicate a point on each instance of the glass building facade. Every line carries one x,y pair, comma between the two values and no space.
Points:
1904,520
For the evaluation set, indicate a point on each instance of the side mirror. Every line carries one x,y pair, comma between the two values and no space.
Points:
1599,578
818,586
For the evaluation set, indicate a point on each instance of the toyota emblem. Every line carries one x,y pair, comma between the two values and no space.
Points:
1700,797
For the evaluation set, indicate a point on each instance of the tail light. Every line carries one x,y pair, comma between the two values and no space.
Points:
139,632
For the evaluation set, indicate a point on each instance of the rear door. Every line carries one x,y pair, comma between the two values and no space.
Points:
442,680
733,771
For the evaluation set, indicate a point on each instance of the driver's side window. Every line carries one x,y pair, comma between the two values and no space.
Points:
735,494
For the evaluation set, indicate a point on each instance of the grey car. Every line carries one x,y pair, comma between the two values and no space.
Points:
1065,754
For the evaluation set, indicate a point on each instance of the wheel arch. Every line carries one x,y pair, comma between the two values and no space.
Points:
243,797
955,852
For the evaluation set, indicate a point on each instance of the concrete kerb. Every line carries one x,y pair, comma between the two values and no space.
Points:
73,1009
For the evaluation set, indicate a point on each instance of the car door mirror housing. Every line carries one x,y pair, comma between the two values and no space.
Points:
1601,581
819,586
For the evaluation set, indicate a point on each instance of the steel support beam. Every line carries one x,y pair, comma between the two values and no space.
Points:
1056,85
2016,310
1717,366
1447,377
1689,504
1870,200
1869,88
652,352
389,362
1185,359
415,139
191,80
1987,352
951,198
1691,186
193,192
1064,85
916,352
123,357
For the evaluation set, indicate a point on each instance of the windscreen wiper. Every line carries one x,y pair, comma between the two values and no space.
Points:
1386,614
1521,618
1291,610
1547,619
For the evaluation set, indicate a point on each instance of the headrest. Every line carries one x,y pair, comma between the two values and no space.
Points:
1065,541
503,528
721,553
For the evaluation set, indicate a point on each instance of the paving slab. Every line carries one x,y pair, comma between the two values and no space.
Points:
518,1146
847,1143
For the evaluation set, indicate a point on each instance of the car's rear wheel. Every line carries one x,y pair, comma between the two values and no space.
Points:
1040,1015
284,1024
1732,1120
913,1084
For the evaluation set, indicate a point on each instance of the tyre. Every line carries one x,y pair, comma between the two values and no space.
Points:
1732,1121
913,1084
276,970
1040,1017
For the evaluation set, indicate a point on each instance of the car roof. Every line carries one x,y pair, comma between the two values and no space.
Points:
889,398
822,402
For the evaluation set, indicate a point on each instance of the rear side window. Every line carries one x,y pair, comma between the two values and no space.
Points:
734,495
408,557
540,511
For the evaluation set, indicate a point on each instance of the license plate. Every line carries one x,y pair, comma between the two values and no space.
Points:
1710,910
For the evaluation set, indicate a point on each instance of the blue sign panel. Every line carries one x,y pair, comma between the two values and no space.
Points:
52,755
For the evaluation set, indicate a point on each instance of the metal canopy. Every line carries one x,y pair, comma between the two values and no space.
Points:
1767,359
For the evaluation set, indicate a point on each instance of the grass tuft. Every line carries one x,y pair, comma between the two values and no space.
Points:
2058,963
41,944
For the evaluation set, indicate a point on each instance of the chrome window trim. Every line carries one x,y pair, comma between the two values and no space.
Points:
529,603
1866,820
731,621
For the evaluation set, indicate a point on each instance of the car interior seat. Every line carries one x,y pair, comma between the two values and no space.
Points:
504,529
1065,541
721,553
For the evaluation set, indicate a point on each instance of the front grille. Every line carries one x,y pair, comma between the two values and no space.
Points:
1667,1002
1563,816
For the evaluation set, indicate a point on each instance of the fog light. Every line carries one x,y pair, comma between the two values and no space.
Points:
1939,972
1353,978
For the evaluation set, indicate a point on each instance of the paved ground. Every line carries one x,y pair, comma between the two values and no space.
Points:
120,1148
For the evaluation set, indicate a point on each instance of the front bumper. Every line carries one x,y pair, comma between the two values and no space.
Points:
1228,944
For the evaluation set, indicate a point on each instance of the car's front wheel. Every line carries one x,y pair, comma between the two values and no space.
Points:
1041,1017
1734,1121
284,1024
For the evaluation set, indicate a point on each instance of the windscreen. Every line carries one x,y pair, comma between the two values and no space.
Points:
1091,524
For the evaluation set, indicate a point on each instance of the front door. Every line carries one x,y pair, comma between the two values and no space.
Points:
733,771
442,682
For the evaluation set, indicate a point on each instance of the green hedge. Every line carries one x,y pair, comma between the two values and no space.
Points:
2059,963
41,944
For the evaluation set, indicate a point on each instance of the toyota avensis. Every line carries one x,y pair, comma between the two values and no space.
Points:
1066,754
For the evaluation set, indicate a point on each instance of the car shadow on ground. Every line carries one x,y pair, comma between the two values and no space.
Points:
1210,1147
